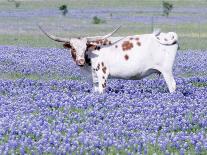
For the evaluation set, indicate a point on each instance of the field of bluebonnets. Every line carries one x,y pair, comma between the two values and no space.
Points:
47,106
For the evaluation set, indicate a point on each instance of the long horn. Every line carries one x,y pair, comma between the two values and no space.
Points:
54,37
102,37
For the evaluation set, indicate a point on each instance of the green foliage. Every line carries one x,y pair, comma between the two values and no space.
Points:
17,4
167,8
97,20
34,76
111,15
199,84
64,9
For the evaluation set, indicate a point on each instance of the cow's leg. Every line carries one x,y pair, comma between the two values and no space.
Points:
102,78
101,73
95,80
168,76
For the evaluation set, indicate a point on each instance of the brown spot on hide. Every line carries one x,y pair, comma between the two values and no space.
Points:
102,42
104,85
158,38
99,41
105,42
131,38
98,67
92,47
136,39
72,50
102,64
67,45
126,57
116,46
103,77
165,39
104,70
127,45
139,43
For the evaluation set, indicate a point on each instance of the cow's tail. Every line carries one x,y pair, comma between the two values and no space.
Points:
173,37
169,38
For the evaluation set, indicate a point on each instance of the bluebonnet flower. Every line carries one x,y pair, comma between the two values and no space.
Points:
61,116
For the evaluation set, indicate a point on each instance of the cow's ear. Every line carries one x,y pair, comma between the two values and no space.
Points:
89,45
92,47
67,45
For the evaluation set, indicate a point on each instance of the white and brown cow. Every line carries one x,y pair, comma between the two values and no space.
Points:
132,57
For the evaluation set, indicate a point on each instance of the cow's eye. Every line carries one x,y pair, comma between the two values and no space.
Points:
73,53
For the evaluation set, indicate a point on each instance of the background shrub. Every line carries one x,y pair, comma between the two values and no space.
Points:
97,20
64,9
167,8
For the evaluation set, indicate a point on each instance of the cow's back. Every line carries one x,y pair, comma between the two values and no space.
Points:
135,57
128,58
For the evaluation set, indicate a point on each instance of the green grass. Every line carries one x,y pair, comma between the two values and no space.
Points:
186,75
46,77
191,36
28,40
190,42
151,150
199,84
4,139
30,4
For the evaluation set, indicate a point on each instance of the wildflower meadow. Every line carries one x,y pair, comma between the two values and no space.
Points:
47,104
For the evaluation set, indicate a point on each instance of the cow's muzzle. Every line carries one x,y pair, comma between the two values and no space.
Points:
80,62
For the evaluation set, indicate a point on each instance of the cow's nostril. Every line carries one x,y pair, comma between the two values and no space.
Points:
81,62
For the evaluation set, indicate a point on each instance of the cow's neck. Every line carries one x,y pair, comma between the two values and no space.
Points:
87,59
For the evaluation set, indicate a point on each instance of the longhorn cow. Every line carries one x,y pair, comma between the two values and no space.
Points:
80,45
131,57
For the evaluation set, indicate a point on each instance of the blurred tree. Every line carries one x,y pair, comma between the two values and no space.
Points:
167,8
64,9
17,4
97,20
